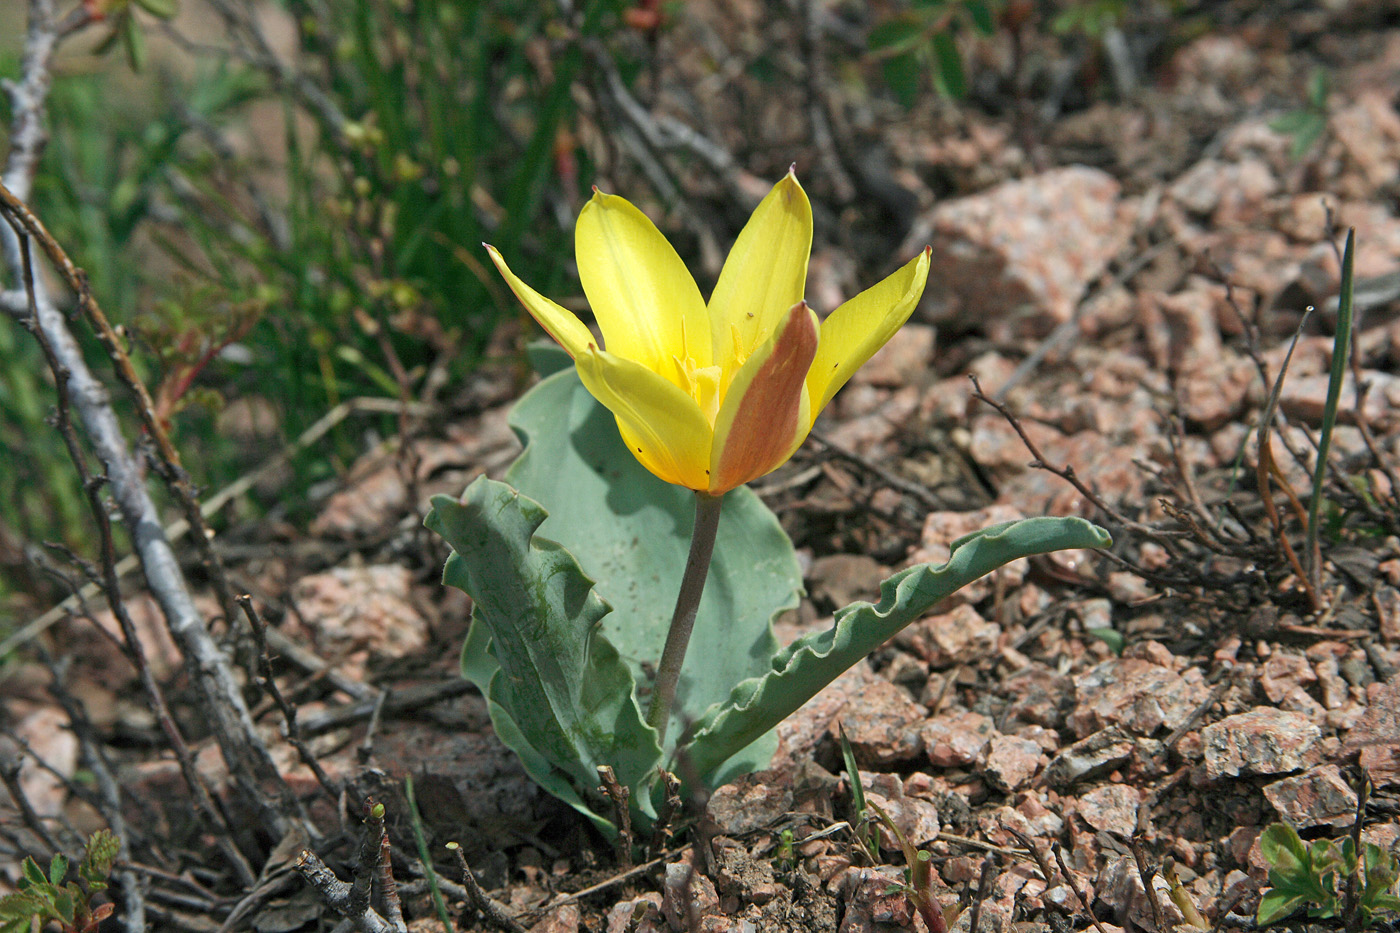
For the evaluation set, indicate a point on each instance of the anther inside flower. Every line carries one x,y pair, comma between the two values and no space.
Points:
713,396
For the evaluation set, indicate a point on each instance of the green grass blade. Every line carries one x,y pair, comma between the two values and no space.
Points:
1341,352
416,823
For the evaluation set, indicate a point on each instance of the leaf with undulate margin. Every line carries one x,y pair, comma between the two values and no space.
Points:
807,665
630,532
560,696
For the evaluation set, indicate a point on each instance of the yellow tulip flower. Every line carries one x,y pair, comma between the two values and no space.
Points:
713,396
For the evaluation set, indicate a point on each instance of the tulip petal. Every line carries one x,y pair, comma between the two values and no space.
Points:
853,332
661,425
764,275
561,324
646,301
765,416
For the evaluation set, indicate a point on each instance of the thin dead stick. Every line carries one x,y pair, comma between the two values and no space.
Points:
1145,872
9,776
1265,468
391,702
337,895
1049,875
1078,894
495,913
979,844
131,643
613,881
620,796
670,806
212,506
248,758
288,710
984,890
167,462
1067,473
893,480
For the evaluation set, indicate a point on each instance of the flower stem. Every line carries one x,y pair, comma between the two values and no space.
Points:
697,567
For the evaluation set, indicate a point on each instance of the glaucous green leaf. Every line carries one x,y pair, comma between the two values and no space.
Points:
630,532
560,696
801,670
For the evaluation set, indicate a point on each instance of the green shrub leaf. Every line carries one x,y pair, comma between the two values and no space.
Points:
897,34
1277,904
952,80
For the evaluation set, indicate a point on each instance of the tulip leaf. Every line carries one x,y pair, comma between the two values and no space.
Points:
630,532
558,693
801,670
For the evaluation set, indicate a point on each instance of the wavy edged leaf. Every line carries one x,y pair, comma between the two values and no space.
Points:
630,532
813,661
560,696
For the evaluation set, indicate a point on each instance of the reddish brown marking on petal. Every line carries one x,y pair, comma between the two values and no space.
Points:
767,420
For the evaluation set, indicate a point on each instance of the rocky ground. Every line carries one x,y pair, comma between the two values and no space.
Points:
1123,273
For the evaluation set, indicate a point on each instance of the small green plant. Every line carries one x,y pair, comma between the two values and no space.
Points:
924,38
40,899
918,879
1319,874
124,30
1306,124
785,859
867,836
1341,352
1092,18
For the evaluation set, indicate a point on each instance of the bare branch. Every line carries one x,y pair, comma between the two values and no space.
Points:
209,669
336,894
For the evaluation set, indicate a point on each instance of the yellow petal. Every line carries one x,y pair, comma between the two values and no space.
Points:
853,332
560,323
766,415
661,425
645,299
764,275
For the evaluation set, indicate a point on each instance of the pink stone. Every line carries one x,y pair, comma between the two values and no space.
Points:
955,740
882,725
1111,808
1028,249
1011,762
1317,797
1261,741
1141,696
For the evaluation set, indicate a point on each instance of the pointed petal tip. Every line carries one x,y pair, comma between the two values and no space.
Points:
789,184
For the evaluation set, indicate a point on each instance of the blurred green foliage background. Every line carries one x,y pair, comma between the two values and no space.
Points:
281,202
292,241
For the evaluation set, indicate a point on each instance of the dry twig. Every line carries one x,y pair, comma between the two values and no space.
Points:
494,913
620,797
221,701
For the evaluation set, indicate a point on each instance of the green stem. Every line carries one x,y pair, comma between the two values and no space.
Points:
697,567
